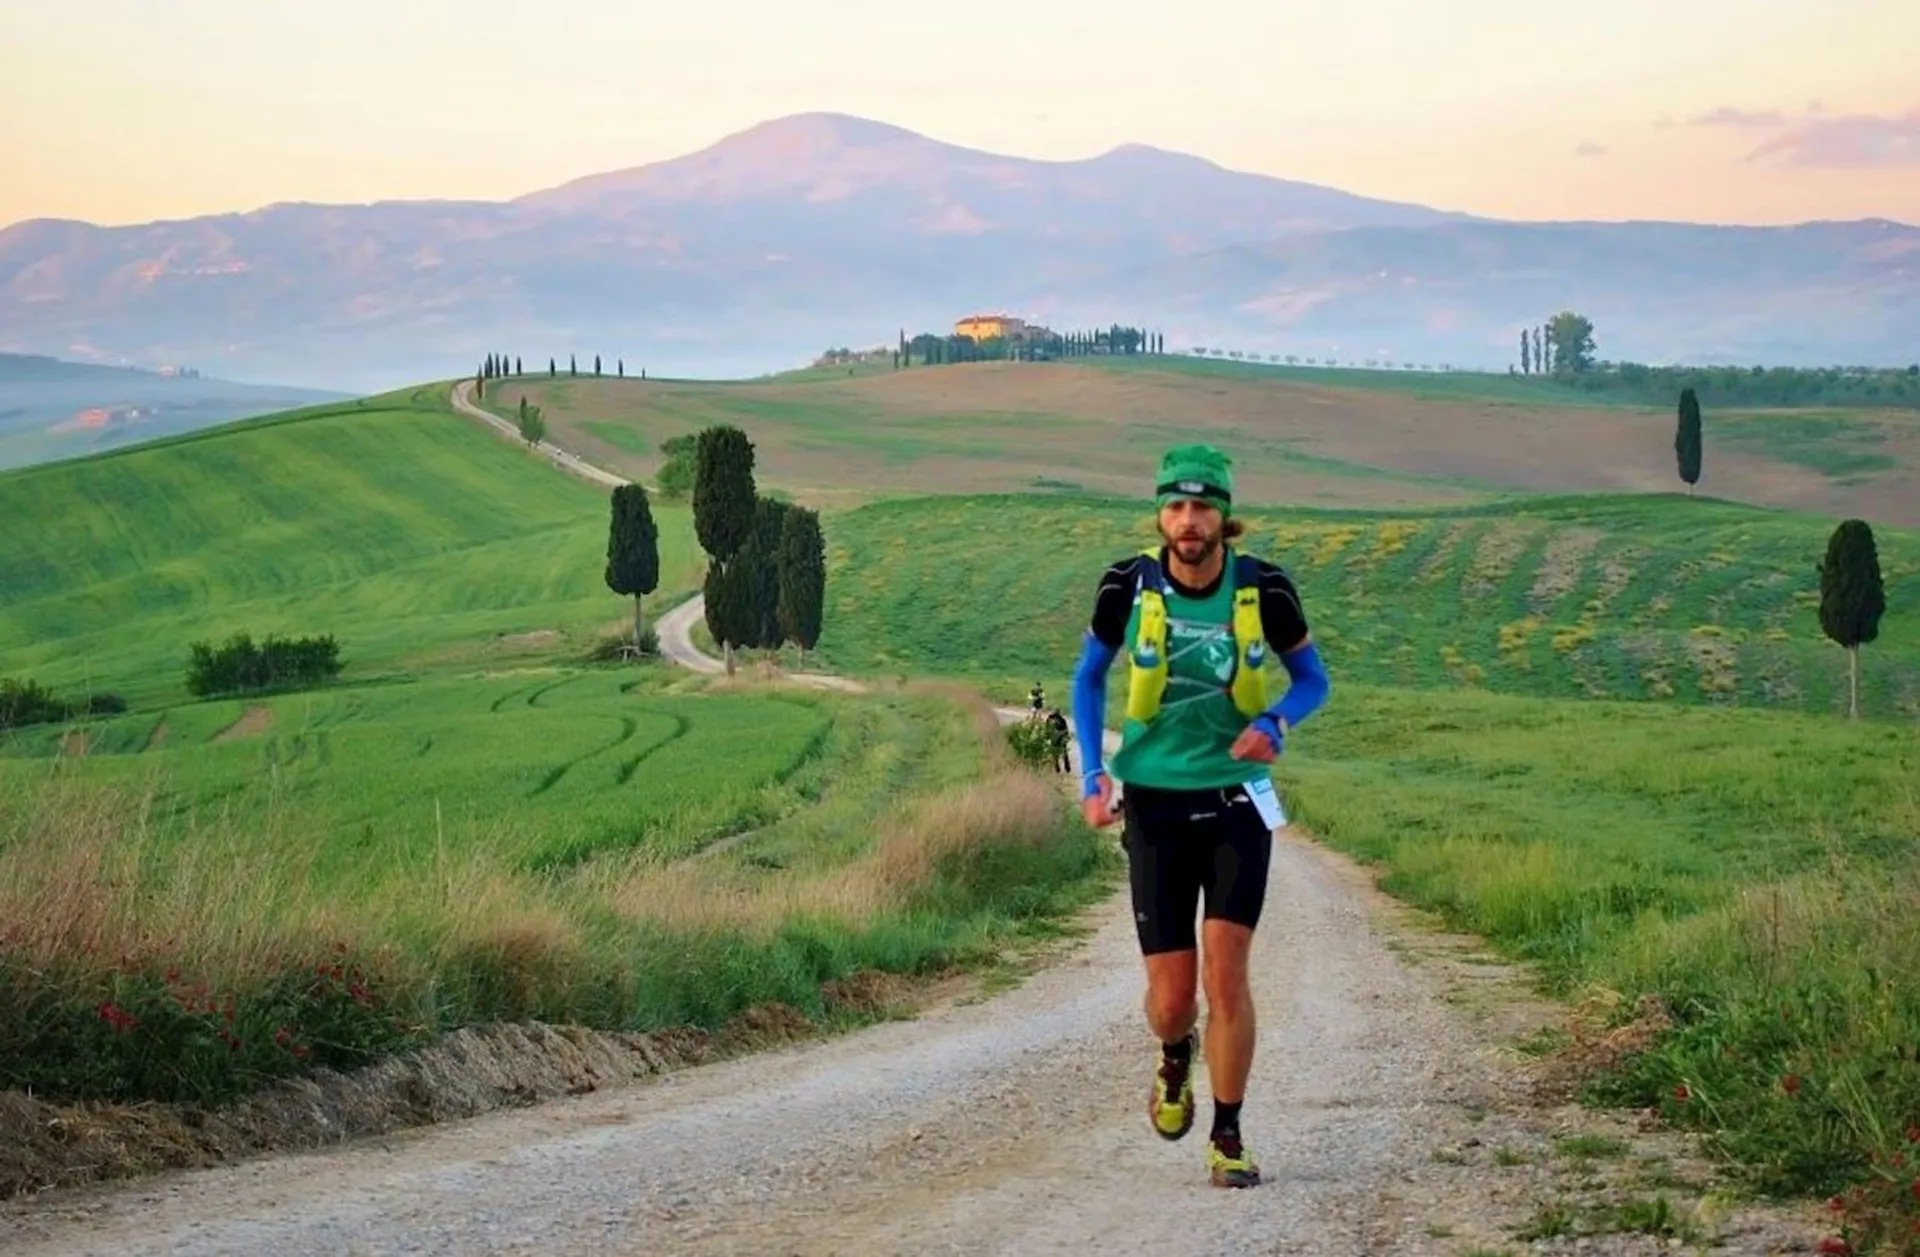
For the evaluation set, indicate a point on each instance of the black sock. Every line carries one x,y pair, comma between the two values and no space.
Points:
1226,1118
1181,1050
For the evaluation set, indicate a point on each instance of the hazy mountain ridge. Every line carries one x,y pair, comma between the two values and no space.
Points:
51,408
822,229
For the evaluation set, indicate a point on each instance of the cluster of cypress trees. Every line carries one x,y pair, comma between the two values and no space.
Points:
767,569
767,563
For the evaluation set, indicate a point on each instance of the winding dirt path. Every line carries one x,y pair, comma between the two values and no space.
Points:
462,397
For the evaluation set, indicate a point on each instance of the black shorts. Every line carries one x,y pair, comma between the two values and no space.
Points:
1183,844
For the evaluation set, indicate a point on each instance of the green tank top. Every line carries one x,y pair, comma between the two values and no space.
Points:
1186,745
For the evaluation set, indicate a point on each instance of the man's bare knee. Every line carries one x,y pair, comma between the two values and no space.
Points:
1224,967
1171,1004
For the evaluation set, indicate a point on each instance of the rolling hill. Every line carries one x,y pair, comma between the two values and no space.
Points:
50,408
408,532
824,229
1316,438
1605,597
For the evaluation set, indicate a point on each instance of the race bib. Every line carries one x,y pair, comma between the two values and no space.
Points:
1266,801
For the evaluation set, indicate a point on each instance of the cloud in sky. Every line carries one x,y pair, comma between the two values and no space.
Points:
1814,137
1742,119
1589,148
1850,141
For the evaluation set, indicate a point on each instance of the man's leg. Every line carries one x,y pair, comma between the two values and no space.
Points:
1230,1018
1164,870
1236,890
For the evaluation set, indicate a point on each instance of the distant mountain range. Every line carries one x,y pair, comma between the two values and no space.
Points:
823,230
52,409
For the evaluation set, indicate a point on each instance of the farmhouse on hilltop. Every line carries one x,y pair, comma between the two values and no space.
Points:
984,327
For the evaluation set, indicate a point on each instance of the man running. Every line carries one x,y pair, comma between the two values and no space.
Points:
1195,621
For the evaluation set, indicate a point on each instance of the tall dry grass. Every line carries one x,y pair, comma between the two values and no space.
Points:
914,843
147,957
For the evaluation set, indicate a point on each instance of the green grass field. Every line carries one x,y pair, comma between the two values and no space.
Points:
408,532
1755,872
541,767
1579,597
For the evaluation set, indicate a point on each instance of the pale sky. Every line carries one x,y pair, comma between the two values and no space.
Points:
1757,111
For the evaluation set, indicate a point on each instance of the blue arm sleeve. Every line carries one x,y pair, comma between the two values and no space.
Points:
1303,697
1090,703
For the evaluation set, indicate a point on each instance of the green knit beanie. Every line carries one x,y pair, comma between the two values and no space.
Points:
1196,471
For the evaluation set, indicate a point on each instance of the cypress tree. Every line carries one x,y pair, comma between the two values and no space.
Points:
759,564
573,366
552,369
802,579
622,369
633,550
1686,438
723,517
596,365
1526,356
1852,597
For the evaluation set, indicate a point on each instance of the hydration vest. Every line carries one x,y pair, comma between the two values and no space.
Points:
1147,663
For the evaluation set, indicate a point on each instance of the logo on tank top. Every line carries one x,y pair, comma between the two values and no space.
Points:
1200,650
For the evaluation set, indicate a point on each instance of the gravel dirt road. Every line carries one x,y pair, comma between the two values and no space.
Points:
1385,1110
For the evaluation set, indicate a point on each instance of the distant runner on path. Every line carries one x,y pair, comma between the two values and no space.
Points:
1058,738
1195,620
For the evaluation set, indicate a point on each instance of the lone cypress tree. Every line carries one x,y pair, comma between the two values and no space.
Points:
802,579
573,367
621,370
1852,598
596,364
1686,439
723,516
552,369
633,550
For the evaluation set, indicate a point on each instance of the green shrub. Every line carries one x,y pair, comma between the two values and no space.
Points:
240,666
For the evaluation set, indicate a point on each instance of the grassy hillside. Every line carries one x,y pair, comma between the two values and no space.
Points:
405,530
543,767
1385,440
1591,597
1753,873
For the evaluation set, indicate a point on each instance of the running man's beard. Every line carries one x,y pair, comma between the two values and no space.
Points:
1185,548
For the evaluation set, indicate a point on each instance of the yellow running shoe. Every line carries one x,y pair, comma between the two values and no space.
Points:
1229,1162
1171,1105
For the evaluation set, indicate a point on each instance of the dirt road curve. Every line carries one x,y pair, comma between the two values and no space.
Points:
1011,1125
463,402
